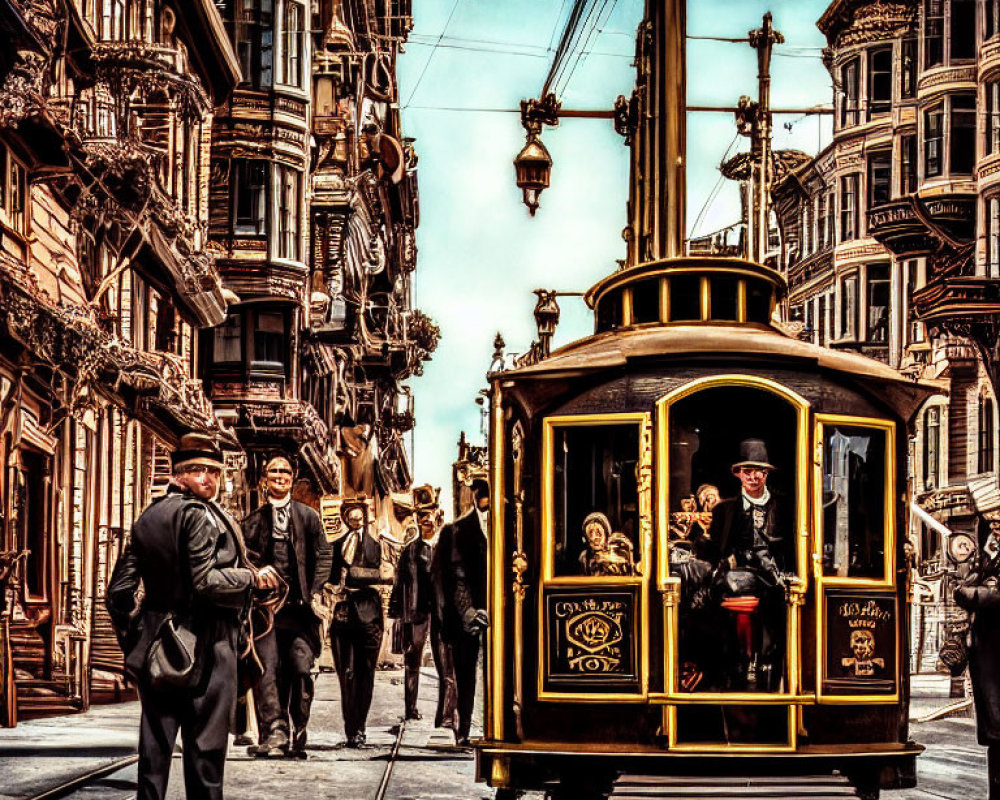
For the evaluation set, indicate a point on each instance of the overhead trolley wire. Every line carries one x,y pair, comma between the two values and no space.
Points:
430,57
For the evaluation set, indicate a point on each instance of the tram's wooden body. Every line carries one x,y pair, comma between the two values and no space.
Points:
590,676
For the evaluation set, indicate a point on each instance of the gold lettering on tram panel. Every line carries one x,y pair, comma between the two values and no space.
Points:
594,634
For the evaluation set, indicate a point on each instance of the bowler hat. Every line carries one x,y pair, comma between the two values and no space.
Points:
425,497
197,450
353,502
753,453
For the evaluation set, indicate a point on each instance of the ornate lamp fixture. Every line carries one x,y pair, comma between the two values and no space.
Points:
533,165
546,318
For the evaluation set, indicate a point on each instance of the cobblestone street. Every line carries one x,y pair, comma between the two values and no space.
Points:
40,755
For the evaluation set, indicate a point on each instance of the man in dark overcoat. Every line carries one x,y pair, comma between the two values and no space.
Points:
287,535
460,578
750,535
356,630
413,603
981,598
188,555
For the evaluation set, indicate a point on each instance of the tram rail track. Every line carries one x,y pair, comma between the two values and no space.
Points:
79,782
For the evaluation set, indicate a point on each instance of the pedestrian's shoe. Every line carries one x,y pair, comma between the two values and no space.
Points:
242,740
298,746
413,714
357,740
276,745
462,741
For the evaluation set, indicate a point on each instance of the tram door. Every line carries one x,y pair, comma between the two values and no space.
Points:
733,484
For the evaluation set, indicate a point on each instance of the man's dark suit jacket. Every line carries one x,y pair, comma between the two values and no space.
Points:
362,576
313,553
412,598
460,572
730,529
188,555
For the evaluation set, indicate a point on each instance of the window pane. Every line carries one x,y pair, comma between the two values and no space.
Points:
685,298
724,298
908,164
854,501
933,121
250,193
849,77
646,301
993,210
879,178
609,312
269,340
596,495
934,33
878,303
963,29
880,81
848,307
963,134
227,342
848,207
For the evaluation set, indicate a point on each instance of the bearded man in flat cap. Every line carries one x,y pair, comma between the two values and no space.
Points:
188,555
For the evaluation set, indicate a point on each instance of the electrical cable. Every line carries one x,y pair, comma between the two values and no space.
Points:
430,57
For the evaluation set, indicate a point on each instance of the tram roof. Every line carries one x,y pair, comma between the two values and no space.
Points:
611,350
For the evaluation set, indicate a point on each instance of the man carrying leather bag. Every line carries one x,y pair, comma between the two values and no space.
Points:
188,555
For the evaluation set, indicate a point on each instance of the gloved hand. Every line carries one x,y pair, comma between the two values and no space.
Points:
475,620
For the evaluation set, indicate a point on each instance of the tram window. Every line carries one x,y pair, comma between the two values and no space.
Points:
758,301
685,298
609,312
854,502
646,301
596,500
724,299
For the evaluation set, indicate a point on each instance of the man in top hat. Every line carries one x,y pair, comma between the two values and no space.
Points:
413,603
356,630
749,532
288,536
460,580
188,554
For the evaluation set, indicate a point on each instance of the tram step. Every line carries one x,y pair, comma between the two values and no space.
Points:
771,787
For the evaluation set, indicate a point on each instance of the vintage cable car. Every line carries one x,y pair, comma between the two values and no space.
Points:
633,632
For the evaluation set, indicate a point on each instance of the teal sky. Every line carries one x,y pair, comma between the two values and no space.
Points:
466,67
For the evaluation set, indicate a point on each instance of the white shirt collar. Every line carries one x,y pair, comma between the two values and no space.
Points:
280,503
756,501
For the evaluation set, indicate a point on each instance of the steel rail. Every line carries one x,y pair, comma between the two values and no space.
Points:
80,781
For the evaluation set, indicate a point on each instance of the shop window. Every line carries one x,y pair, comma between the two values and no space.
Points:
288,212
292,44
878,303
933,140
963,134
963,30
987,428
596,500
933,33
879,82
848,208
250,198
932,446
879,178
907,164
993,220
855,500
849,91
848,308
255,42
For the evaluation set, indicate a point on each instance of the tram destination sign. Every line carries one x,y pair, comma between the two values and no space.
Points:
860,647
592,639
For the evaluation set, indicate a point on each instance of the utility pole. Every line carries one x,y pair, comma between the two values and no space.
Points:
754,120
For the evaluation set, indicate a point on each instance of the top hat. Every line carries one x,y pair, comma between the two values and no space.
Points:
197,450
753,453
425,497
353,502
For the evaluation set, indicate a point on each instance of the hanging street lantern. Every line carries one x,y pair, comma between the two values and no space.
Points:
546,318
533,166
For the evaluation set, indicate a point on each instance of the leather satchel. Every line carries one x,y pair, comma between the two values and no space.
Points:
172,661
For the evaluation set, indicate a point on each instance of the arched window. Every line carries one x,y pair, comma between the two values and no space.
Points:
987,435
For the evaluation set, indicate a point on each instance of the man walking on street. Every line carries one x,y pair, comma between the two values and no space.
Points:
461,581
356,630
413,603
188,555
288,536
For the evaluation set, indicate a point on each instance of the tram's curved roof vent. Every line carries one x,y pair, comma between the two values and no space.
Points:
706,290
